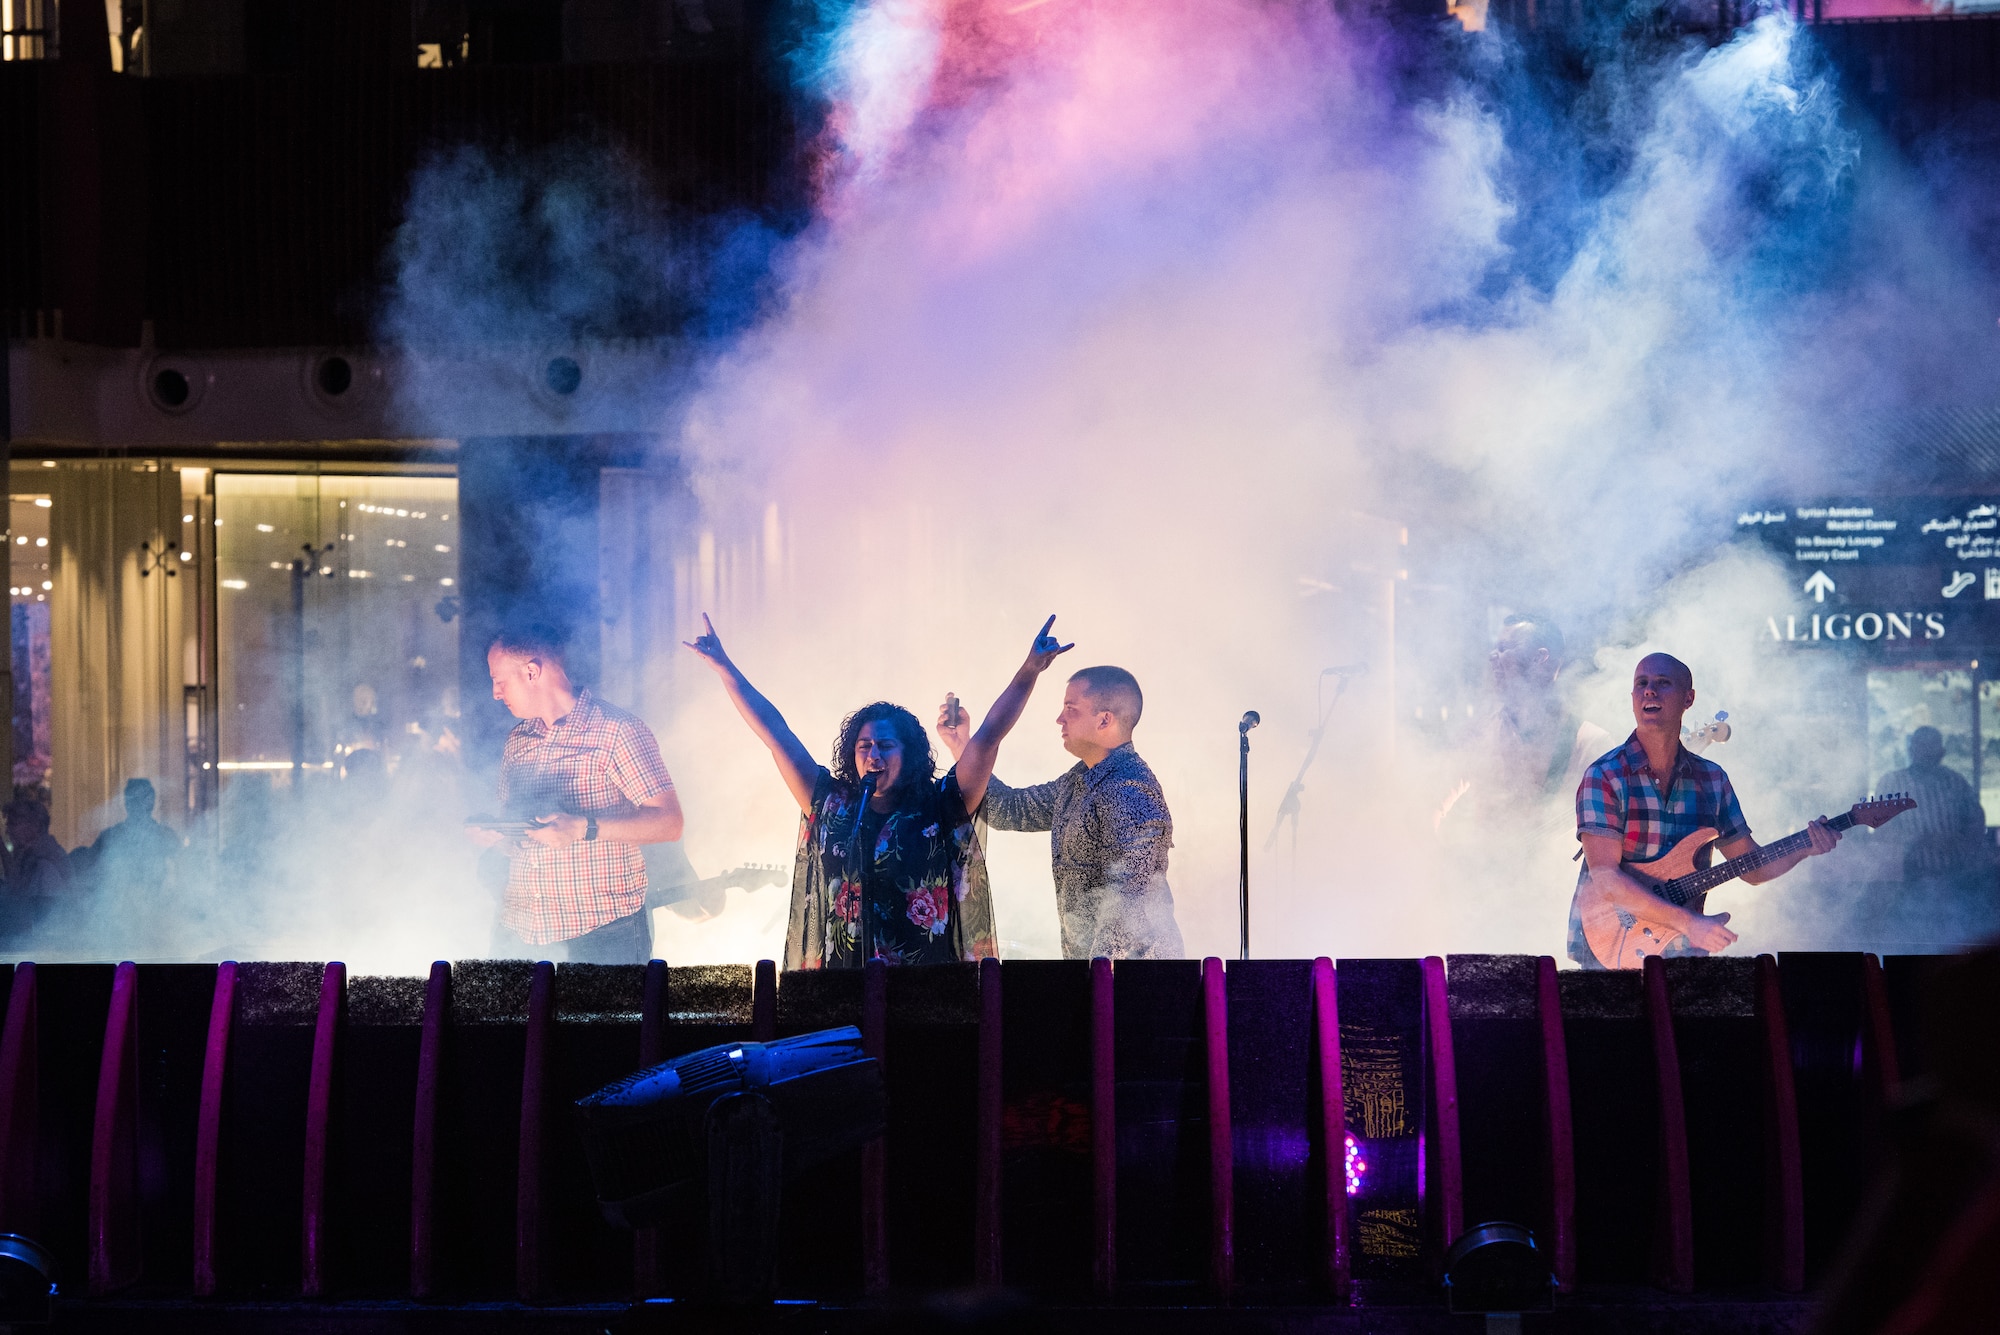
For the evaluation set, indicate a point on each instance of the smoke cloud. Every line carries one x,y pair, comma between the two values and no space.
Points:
1248,339
1217,331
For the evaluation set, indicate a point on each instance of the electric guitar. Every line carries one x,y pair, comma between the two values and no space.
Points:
1622,939
697,902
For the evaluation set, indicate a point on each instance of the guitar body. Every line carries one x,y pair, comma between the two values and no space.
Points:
1621,939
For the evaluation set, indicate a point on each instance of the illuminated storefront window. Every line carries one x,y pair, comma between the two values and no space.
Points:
1900,702
199,628
336,625
28,595
27,29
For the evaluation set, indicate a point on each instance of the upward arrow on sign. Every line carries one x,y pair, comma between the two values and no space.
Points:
1819,586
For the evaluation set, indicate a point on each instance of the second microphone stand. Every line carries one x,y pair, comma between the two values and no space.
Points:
1288,809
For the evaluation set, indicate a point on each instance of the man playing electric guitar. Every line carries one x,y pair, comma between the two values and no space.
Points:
1626,812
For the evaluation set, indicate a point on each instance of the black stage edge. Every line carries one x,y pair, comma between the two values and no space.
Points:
1607,1311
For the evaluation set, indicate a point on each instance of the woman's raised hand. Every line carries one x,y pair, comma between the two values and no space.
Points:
795,763
709,645
1046,648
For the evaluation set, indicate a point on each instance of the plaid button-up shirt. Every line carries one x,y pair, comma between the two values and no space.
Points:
1620,796
596,761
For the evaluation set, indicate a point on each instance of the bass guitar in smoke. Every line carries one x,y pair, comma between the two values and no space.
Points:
1622,940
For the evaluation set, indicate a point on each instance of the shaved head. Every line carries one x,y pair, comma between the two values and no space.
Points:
1654,665
1662,691
1113,690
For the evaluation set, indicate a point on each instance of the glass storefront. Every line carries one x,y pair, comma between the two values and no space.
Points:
28,593
335,620
197,627
1901,701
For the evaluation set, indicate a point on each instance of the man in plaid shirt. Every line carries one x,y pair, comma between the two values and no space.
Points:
590,774
1624,812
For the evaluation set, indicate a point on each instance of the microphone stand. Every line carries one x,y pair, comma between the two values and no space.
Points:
1288,809
1250,720
856,864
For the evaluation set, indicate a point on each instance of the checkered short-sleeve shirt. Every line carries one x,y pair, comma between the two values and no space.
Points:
597,761
1621,796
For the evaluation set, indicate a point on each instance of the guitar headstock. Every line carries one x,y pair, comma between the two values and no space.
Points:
1715,730
1880,810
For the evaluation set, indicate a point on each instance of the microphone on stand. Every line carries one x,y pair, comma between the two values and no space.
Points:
1346,670
854,862
1251,718
845,852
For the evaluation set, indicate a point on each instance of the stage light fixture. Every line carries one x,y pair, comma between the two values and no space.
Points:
1496,1269
738,1118
649,1133
27,1281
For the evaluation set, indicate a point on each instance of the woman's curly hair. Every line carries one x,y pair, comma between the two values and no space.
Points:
919,763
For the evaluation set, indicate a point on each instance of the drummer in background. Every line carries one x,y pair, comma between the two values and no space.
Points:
1533,752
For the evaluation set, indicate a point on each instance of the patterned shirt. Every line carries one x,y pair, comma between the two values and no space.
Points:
1620,796
596,761
1110,833
907,886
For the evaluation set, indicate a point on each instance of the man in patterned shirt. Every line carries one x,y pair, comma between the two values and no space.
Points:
1625,813
590,775
1110,830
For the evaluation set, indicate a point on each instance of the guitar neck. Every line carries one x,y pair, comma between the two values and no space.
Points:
1683,890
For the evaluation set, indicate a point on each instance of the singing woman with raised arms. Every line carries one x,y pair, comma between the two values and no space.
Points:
889,866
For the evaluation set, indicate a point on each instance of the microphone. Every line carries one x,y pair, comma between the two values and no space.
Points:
850,850
1346,670
1251,719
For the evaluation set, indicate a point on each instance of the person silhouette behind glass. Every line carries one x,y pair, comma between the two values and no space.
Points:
138,852
1947,891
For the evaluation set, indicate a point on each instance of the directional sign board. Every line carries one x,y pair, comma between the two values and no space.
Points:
1918,575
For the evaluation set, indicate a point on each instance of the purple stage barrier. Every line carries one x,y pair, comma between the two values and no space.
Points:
1205,1133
